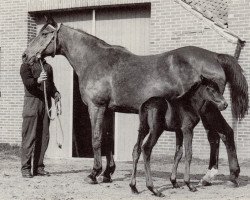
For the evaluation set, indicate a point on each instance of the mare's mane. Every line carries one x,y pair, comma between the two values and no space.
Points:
100,41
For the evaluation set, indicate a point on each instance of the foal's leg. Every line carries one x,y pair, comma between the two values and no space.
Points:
96,117
177,157
143,131
188,137
147,150
219,124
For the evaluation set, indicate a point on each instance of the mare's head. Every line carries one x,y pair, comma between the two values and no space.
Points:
44,44
208,90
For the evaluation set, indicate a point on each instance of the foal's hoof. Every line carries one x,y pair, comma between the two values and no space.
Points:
232,183
204,183
90,179
104,179
133,189
193,189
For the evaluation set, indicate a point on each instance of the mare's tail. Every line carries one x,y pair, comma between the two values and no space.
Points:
238,85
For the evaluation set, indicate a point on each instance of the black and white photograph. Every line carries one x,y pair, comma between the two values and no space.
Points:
124,99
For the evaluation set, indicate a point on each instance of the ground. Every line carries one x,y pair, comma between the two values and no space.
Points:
67,181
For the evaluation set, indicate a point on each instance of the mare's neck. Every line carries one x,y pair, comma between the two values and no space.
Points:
75,46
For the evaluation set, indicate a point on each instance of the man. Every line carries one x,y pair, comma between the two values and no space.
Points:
35,127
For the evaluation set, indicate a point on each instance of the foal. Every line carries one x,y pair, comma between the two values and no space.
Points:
181,116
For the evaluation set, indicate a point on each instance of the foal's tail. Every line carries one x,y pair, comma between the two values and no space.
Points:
238,85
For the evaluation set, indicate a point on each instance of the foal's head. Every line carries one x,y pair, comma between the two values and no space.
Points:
208,90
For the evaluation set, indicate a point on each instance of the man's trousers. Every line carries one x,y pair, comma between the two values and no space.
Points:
35,133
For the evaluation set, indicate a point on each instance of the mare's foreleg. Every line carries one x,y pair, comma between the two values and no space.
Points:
96,117
177,157
110,163
143,131
188,137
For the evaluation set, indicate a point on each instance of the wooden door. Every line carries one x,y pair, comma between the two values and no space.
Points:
128,27
64,79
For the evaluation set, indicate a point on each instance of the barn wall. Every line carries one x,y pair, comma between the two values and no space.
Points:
239,22
13,33
171,26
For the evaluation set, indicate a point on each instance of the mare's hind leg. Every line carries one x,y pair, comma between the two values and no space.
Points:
147,150
143,131
177,157
214,141
96,117
217,123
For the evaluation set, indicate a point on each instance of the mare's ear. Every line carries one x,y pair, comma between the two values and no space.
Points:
50,20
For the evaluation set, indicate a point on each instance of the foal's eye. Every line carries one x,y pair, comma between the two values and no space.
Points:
44,34
210,89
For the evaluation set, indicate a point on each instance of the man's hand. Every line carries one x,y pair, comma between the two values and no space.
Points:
42,77
57,97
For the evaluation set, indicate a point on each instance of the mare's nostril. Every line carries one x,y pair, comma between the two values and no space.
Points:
225,105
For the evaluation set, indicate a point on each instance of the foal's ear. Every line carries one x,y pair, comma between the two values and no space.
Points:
50,20
203,79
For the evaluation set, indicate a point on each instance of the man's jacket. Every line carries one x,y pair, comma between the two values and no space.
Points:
30,74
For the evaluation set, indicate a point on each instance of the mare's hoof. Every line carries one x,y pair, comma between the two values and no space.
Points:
90,180
174,183
133,189
232,184
204,183
159,194
104,179
155,192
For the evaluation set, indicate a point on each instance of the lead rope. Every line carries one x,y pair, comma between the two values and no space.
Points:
58,106
45,94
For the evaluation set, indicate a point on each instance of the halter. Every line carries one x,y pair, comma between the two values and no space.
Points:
54,37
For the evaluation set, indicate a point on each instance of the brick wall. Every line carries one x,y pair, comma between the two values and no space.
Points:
171,27
239,22
13,32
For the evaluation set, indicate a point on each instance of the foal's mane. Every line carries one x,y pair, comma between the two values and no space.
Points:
194,88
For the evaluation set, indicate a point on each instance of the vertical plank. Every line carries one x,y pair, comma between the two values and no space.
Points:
127,27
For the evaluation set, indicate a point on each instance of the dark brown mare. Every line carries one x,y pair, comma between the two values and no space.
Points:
181,116
114,79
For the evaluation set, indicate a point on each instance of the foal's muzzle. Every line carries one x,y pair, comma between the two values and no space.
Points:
223,105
